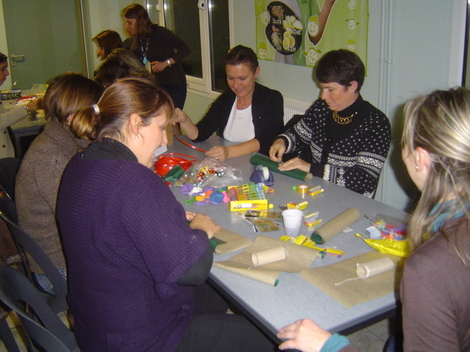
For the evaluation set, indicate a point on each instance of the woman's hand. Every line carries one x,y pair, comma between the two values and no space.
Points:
36,104
218,152
303,335
180,116
190,215
204,223
294,163
277,150
158,66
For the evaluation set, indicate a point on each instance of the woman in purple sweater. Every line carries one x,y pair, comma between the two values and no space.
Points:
133,254
436,280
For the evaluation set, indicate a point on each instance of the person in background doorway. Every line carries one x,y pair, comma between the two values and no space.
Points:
106,41
9,118
159,48
38,179
249,114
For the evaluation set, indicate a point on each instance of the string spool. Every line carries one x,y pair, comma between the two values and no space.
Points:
302,189
370,268
374,267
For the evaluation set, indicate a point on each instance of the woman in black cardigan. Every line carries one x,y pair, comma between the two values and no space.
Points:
248,114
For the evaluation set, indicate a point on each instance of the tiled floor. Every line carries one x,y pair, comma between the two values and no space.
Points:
371,339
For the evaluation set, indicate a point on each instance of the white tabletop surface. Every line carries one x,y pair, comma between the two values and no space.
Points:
294,298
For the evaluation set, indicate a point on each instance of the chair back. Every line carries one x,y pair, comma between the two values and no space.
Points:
25,243
42,326
8,170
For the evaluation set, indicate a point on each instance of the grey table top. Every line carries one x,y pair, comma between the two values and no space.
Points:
293,298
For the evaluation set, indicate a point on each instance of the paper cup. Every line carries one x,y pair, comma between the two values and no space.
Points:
292,219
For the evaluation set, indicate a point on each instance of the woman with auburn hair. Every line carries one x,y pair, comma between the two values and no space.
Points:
134,264
159,48
436,279
106,41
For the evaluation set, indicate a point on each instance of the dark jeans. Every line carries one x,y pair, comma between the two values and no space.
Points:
212,330
177,92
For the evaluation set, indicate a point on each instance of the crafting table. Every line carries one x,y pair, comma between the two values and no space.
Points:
294,298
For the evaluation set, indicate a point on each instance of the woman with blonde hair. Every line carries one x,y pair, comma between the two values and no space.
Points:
436,279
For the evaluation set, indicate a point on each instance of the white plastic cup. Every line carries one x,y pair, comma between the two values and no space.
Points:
292,221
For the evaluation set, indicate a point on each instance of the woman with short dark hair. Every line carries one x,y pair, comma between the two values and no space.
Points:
341,138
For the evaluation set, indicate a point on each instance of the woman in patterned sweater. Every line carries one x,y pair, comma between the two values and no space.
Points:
341,138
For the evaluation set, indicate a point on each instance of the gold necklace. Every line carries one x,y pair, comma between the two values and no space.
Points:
342,120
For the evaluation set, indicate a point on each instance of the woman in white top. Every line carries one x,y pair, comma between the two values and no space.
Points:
248,114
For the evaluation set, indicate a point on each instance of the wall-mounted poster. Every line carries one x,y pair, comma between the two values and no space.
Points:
299,32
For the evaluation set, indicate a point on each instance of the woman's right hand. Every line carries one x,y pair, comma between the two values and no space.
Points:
180,116
277,150
204,223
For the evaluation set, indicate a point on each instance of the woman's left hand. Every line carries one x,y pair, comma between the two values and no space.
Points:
158,66
218,152
190,215
295,163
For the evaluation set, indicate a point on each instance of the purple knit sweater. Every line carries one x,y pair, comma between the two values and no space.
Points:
127,243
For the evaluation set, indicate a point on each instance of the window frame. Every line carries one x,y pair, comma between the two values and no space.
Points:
202,86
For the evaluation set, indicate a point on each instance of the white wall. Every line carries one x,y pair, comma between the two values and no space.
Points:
411,50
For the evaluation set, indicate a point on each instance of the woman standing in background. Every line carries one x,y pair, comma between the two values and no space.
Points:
160,48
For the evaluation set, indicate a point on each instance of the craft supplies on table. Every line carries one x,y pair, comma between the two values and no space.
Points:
259,159
247,196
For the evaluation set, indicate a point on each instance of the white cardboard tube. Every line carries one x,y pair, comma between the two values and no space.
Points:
268,256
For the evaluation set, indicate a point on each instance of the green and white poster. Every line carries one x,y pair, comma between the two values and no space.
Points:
299,32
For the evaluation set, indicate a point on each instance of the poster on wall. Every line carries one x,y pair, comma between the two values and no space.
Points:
299,32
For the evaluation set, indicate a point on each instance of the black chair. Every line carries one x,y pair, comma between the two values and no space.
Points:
26,244
42,326
8,170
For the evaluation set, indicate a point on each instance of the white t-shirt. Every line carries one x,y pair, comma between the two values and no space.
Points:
240,126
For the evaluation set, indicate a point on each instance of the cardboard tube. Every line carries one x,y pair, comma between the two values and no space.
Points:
330,229
268,256
374,267
260,159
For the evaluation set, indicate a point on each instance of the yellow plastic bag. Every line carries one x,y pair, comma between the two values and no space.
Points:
389,246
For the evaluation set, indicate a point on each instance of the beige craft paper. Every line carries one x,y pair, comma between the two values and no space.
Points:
351,293
233,240
297,259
